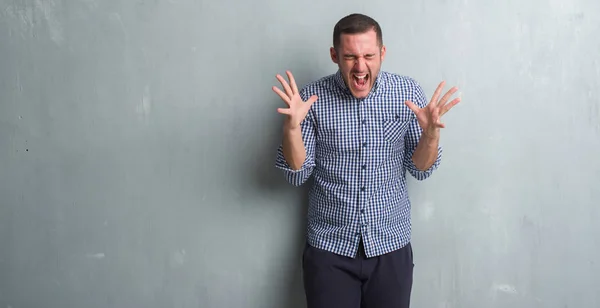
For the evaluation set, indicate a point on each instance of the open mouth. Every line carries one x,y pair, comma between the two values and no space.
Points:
360,81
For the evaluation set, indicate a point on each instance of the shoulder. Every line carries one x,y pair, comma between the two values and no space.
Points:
320,87
399,81
406,85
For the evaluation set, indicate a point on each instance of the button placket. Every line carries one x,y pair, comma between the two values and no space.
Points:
362,163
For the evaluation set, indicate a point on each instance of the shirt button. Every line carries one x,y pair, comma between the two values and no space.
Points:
364,121
364,144
362,211
362,189
364,167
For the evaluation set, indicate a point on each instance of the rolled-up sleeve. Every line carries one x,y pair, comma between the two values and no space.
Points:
299,177
413,135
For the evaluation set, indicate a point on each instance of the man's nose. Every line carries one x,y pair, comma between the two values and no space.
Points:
359,64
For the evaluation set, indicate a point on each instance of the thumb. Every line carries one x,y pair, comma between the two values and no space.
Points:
412,106
311,101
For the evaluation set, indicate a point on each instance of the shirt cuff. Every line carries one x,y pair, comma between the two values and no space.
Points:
423,174
295,177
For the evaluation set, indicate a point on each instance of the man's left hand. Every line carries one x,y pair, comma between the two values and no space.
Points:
430,115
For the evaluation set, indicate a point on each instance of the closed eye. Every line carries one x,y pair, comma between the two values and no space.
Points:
353,57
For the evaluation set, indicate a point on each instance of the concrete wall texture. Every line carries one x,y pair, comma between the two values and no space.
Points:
137,143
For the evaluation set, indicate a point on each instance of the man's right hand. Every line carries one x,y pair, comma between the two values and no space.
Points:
297,108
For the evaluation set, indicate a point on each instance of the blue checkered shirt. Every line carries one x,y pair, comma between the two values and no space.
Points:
358,152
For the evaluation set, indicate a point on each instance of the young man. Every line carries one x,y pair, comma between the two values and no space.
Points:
357,132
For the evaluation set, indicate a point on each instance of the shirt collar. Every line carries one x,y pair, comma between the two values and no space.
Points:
377,86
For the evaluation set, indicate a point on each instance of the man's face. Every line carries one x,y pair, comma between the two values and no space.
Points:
359,58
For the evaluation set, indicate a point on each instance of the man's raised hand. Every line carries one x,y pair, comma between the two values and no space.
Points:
297,109
429,117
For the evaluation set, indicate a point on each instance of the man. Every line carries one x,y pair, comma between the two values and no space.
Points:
357,132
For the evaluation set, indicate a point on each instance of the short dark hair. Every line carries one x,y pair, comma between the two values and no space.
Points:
354,24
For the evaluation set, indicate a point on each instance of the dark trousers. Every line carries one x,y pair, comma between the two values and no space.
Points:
334,281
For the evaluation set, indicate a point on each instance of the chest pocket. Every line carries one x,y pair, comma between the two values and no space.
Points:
395,127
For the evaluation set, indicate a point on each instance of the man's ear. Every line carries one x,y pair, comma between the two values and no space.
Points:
382,52
333,54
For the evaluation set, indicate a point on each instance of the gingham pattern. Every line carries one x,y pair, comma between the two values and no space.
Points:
358,152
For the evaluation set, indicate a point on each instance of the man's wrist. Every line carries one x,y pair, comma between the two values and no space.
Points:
431,138
288,127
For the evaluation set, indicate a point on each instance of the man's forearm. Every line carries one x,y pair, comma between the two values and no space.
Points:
293,147
426,152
